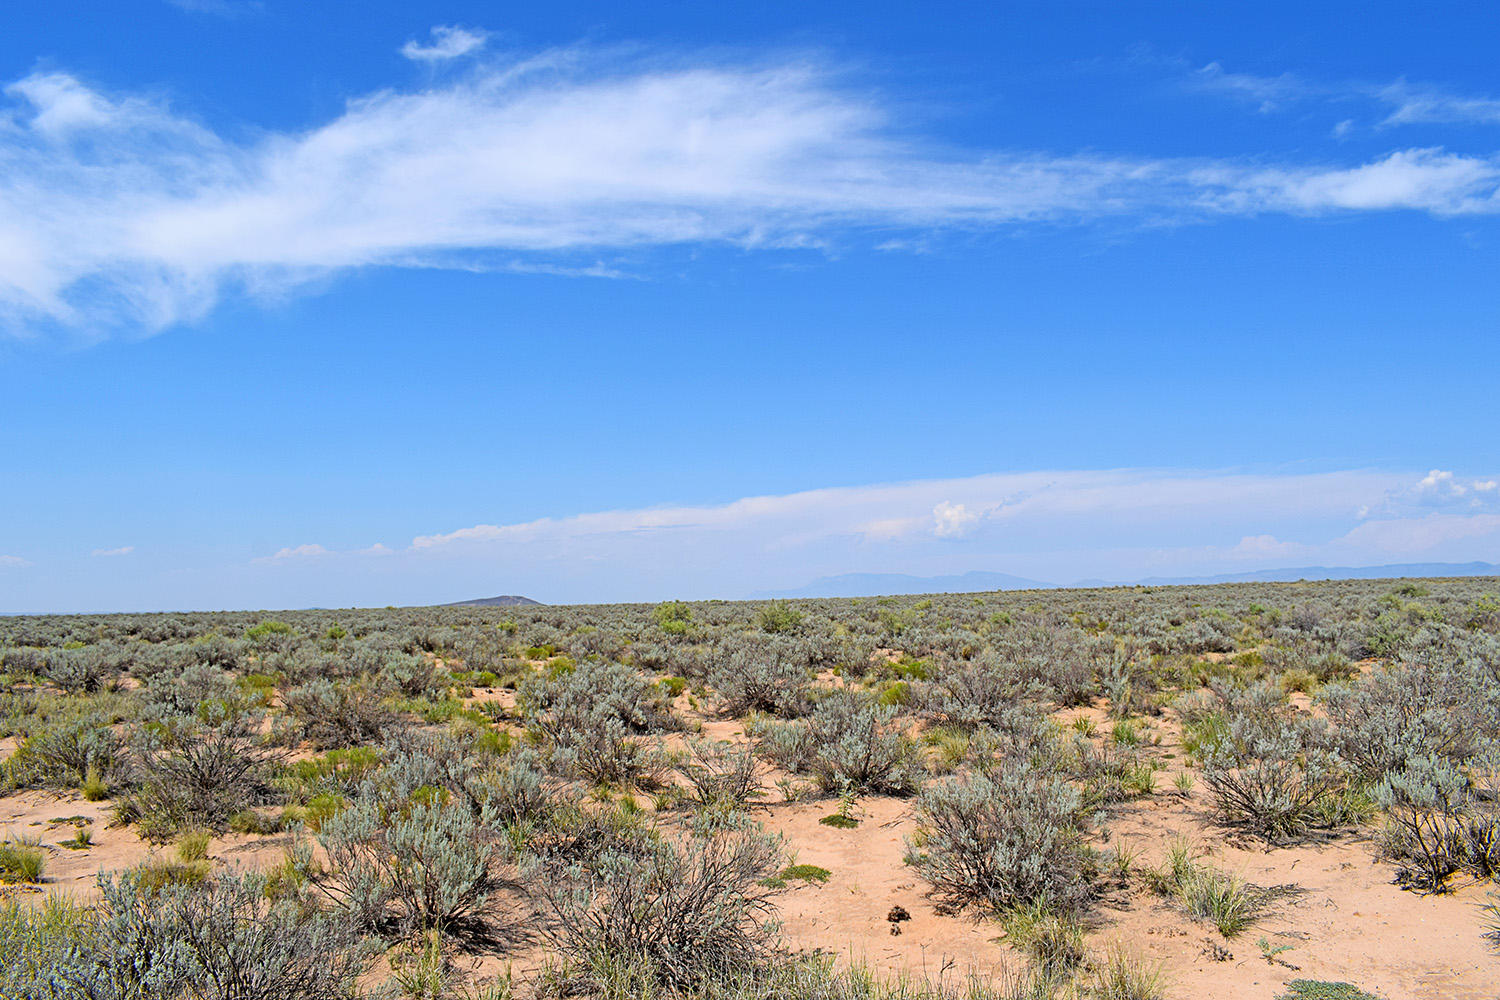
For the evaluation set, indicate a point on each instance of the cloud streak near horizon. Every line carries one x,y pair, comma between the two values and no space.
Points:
119,213
1054,526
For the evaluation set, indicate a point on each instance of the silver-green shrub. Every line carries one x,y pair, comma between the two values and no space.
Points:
1008,836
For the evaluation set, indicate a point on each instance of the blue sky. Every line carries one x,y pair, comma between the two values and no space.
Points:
336,303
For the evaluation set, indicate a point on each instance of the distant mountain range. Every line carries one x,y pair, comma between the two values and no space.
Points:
876,584
503,601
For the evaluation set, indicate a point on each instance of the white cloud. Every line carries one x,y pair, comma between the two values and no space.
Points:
13,562
1399,102
1269,93
1432,105
120,212
309,551
448,42
953,519
123,550
1058,526
1049,525
1428,536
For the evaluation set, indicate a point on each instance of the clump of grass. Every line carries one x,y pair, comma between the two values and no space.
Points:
250,821
158,873
1126,733
82,839
806,873
94,787
1184,782
1228,901
22,859
951,744
1053,940
193,846
1140,779
1123,975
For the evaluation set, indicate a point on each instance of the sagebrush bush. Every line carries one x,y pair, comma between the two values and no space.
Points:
591,716
1436,824
64,752
720,774
770,676
221,940
332,716
681,911
848,741
1006,837
1270,768
189,774
1388,716
409,852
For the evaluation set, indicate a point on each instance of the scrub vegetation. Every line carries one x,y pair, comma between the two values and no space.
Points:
604,800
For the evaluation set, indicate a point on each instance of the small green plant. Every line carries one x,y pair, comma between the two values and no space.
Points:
193,846
1184,783
1126,733
1316,989
1272,953
1054,941
22,859
1123,975
806,873
1491,911
94,787
1085,725
82,839
842,819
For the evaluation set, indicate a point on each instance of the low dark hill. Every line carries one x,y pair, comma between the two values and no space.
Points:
504,601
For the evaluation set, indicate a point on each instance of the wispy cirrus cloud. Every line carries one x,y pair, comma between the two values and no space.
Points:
223,8
1398,102
119,212
446,42
13,562
123,550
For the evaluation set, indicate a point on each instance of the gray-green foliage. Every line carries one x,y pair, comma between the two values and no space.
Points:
192,773
679,911
227,939
770,675
331,716
1271,768
720,774
1007,836
61,753
848,741
1447,707
592,715
417,848
1438,822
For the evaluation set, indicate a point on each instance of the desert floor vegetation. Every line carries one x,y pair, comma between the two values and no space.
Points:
1239,791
